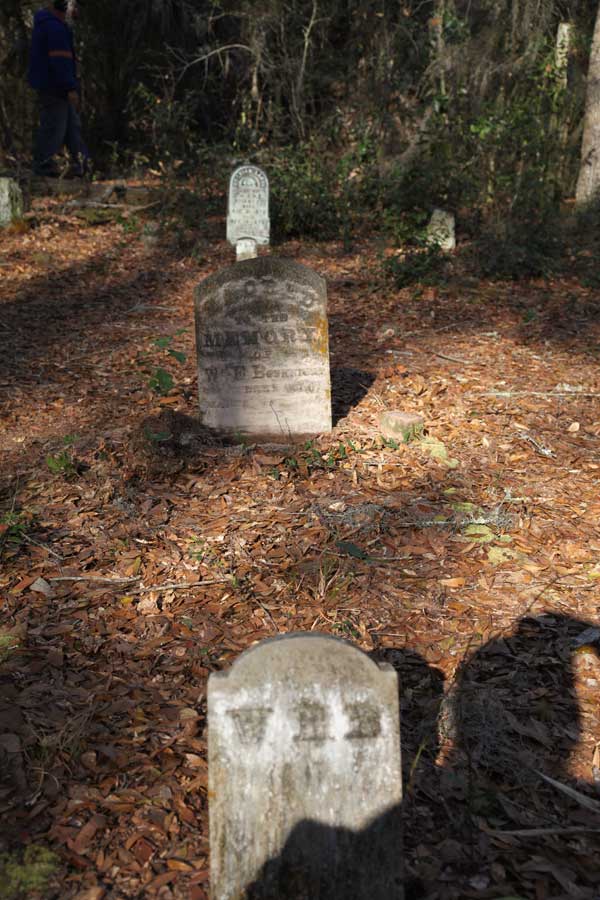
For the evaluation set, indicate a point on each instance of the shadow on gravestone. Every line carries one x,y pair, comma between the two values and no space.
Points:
362,855
319,862
305,774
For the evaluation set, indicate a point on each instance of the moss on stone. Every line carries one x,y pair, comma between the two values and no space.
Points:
23,872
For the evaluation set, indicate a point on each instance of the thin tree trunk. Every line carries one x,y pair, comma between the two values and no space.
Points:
7,140
588,182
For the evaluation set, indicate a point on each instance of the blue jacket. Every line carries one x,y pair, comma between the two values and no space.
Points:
52,61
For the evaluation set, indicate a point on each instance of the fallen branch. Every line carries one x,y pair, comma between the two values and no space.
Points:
5,533
141,589
95,579
181,586
93,204
268,614
586,394
540,832
580,798
463,362
539,448
31,540
141,307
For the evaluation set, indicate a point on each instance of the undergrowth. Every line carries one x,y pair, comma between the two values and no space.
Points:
23,873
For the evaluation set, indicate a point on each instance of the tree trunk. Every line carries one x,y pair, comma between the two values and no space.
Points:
588,182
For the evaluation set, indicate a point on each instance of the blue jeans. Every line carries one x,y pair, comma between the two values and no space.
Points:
59,125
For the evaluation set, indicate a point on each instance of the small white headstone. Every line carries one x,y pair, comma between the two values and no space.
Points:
442,230
305,778
248,210
11,201
564,40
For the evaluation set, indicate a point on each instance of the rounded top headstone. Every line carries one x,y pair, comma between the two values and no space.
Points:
262,267
298,656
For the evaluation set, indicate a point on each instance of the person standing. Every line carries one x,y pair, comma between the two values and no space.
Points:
53,75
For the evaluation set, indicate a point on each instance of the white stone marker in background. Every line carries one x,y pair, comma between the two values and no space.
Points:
305,779
563,48
263,350
442,230
248,211
11,201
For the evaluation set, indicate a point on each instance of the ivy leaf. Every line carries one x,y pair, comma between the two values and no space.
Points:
158,437
351,549
481,534
178,355
161,381
499,555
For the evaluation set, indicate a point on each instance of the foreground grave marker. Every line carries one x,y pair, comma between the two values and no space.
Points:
304,774
263,351
248,211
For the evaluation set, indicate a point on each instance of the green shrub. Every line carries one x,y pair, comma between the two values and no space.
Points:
519,250
316,193
303,187
425,265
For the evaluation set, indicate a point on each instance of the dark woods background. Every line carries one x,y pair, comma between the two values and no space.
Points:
388,107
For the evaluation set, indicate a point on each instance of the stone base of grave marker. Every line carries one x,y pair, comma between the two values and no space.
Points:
245,249
263,350
305,779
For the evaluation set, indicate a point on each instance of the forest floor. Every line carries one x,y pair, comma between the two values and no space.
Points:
136,558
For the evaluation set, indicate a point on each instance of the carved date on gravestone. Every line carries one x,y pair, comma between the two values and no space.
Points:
263,350
304,774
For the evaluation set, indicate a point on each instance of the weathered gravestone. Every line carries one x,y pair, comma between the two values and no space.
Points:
304,774
441,230
263,351
11,201
248,211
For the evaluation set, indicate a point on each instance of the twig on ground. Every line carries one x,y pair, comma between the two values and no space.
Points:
31,540
574,394
463,362
540,832
140,307
267,613
540,448
181,586
141,589
4,535
93,204
580,798
95,579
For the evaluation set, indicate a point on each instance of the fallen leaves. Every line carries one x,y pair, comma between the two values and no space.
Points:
149,567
